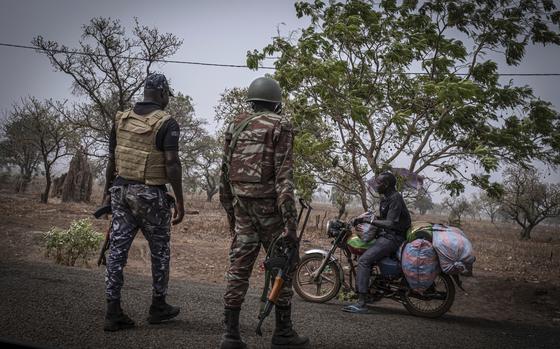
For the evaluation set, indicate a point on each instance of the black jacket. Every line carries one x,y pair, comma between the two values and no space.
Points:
394,218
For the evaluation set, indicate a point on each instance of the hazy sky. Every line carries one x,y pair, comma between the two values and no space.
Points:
213,31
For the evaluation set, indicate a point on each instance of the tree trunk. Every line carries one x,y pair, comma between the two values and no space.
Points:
526,232
210,194
78,181
45,194
58,184
341,210
22,183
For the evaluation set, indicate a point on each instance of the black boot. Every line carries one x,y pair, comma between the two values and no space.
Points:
232,337
115,319
284,335
161,311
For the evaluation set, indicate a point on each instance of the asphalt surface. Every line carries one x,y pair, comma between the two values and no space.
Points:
59,307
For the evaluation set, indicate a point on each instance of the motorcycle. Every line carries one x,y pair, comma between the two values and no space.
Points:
320,276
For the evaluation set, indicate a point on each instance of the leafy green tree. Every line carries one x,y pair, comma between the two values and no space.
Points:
340,200
232,102
18,151
527,200
457,207
43,129
348,79
423,201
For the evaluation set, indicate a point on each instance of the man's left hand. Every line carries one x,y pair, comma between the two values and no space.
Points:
178,213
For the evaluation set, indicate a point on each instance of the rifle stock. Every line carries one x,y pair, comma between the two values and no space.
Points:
100,212
104,248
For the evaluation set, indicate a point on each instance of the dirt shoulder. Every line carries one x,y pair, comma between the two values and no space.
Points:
502,289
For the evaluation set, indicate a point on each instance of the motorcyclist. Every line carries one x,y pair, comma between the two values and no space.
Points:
389,230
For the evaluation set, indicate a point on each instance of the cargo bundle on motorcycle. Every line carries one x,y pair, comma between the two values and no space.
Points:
453,248
419,263
320,275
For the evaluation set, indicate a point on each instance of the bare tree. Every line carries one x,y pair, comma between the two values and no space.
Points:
44,129
109,68
208,165
489,205
458,207
527,200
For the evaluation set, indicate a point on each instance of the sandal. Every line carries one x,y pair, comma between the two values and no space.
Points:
356,309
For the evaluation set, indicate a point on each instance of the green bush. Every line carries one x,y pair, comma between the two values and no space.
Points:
67,246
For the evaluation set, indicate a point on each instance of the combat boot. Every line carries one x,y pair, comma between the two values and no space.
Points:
161,311
232,337
284,335
116,319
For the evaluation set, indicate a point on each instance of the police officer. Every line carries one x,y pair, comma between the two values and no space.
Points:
257,192
390,230
143,159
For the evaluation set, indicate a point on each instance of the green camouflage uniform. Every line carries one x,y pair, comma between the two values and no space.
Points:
260,172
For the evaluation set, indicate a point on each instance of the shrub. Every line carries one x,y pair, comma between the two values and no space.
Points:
67,246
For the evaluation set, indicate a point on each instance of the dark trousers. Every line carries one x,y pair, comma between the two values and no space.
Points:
383,247
138,206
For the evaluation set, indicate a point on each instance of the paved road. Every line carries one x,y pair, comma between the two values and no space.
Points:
60,307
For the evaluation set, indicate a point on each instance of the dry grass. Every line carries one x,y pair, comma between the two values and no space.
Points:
497,247
516,280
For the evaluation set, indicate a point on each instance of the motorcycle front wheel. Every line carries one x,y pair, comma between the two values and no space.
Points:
321,289
435,301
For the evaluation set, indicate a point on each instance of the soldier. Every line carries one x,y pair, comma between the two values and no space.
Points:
257,192
144,156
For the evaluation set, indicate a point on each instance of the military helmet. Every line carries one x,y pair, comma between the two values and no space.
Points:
264,89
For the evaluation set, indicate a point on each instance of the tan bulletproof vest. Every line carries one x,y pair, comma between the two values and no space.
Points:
137,157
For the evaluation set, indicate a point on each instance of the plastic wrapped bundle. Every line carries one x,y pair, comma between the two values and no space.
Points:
455,251
357,246
420,265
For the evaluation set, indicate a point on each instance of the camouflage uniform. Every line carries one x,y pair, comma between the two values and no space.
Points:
260,172
139,206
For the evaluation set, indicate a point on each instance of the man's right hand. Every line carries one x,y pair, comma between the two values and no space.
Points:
291,236
178,213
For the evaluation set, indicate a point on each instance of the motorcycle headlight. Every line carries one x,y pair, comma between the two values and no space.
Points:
334,228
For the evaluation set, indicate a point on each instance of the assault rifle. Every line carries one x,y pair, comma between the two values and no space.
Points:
100,212
284,264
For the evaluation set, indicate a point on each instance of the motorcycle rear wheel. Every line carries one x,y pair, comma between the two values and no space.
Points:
322,290
432,307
